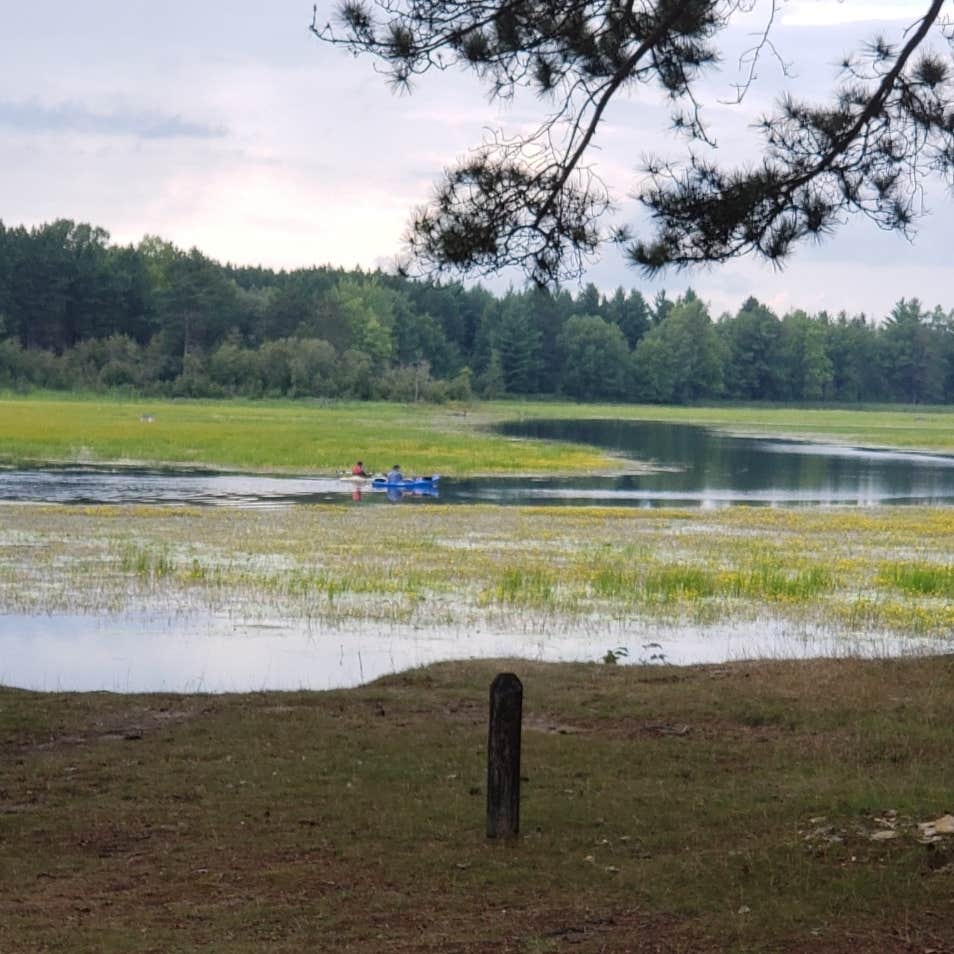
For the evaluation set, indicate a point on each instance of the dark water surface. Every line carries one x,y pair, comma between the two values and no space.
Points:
699,466
696,467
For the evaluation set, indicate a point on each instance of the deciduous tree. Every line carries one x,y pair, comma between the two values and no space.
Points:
596,358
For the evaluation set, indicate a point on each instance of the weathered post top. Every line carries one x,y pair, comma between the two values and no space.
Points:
503,756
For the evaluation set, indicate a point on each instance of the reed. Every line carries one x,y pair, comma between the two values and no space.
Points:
586,569
146,563
923,579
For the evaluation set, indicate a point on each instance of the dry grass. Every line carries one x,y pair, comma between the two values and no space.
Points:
707,809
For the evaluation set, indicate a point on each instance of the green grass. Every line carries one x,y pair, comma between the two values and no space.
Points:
922,579
145,563
309,437
301,437
706,809
519,587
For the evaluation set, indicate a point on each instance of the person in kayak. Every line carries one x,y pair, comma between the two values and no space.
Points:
394,474
359,471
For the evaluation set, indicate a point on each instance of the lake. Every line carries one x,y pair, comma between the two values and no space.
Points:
697,466
693,466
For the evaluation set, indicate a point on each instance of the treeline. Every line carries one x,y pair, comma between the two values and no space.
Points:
77,312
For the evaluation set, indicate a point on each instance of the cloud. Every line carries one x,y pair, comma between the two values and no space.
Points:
74,117
826,13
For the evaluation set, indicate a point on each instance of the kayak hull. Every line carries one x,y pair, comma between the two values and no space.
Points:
408,483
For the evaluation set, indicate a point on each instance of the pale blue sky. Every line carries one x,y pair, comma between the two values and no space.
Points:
228,127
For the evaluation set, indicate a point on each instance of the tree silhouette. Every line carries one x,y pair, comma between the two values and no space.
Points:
532,201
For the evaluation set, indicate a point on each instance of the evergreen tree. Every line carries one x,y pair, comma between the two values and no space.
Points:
805,371
492,383
531,201
630,314
753,363
681,359
912,357
517,342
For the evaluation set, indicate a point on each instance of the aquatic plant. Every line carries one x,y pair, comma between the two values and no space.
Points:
588,570
927,579
146,562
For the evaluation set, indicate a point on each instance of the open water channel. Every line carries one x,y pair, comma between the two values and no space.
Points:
691,466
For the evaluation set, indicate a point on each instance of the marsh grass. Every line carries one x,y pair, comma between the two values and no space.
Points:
146,563
520,587
702,809
299,437
486,566
923,579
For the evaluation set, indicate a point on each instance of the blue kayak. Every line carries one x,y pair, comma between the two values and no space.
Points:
407,483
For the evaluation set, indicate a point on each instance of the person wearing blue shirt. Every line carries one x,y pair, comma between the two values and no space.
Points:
394,474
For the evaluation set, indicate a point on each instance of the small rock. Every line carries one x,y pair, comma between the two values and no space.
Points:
930,831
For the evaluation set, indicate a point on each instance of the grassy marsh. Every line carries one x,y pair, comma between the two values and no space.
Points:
846,569
300,437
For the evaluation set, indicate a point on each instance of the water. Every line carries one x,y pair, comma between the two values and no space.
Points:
143,652
694,467
127,485
702,467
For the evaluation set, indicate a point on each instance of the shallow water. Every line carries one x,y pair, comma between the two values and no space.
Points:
207,653
187,652
703,467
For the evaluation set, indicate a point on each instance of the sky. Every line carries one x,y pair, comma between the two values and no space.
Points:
230,128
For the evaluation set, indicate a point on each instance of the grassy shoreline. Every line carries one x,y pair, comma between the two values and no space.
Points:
757,807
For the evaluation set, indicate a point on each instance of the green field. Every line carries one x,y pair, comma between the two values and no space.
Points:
304,437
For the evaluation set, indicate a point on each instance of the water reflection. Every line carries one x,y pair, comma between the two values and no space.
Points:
698,466
160,653
109,485
693,467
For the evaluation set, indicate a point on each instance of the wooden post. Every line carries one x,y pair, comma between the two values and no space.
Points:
503,757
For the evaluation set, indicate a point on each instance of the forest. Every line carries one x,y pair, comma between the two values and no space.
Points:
78,312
